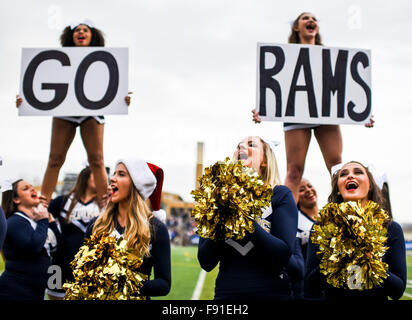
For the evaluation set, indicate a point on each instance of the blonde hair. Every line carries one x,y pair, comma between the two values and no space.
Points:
137,230
270,173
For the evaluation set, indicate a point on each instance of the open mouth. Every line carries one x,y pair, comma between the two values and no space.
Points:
242,156
311,196
311,27
351,185
114,190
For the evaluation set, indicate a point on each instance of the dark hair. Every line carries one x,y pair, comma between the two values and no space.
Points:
294,35
386,197
66,38
79,189
7,203
374,194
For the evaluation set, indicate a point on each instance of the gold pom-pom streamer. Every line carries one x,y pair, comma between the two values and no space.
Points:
351,241
104,269
229,198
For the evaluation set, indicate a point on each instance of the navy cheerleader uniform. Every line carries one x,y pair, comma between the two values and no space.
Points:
159,259
27,250
72,230
296,270
255,267
305,224
393,286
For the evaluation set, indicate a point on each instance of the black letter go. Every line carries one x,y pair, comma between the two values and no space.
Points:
59,88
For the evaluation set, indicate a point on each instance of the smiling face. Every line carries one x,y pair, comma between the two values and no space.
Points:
27,196
120,184
307,194
307,27
251,152
353,182
82,36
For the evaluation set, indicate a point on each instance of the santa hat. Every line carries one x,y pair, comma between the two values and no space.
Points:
148,180
155,197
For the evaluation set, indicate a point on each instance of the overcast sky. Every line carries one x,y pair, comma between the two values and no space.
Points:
193,77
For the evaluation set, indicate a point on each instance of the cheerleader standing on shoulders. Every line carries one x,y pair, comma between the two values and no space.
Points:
354,182
32,236
255,267
74,212
305,30
81,34
127,215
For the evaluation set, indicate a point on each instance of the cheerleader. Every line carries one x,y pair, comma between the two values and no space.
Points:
81,34
32,237
74,212
255,267
308,212
128,215
305,30
354,182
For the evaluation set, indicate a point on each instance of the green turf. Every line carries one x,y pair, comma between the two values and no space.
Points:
208,290
185,272
409,277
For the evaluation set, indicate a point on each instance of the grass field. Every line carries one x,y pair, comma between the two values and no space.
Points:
186,271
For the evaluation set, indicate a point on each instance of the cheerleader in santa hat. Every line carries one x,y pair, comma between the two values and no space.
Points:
128,215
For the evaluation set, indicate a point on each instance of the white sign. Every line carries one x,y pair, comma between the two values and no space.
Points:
313,84
74,81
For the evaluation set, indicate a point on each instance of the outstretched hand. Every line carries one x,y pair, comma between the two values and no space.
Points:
256,117
128,98
370,123
19,100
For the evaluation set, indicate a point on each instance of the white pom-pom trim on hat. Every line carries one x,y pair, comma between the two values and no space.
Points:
160,214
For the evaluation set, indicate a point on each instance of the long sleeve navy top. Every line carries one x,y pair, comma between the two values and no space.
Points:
393,286
254,267
159,259
27,250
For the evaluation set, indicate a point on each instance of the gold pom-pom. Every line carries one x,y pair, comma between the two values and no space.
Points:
351,241
229,198
104,269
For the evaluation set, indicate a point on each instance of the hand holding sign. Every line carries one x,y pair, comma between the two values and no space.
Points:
19,101
256,117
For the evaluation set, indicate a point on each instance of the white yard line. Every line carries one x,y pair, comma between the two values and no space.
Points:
407,295
199,285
